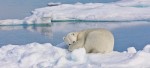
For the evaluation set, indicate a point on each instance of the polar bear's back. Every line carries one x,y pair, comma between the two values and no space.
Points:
99,40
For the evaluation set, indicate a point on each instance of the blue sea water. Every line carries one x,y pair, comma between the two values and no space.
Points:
129,36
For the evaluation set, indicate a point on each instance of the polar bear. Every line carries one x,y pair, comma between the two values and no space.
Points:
93,40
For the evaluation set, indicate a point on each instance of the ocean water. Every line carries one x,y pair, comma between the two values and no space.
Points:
127,34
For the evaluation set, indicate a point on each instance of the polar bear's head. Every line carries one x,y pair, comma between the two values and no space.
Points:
70,38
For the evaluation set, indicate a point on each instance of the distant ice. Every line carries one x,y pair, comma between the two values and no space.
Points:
124,10
11,21
116,11
37,55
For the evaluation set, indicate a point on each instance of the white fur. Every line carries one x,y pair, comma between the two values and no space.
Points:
93,40
70,38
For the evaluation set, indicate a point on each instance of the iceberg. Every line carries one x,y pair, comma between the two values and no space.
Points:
35,55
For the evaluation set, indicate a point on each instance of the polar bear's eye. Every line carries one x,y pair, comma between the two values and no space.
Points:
73,34
69,44
73,41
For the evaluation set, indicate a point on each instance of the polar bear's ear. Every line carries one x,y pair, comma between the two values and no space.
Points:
73,34
63,38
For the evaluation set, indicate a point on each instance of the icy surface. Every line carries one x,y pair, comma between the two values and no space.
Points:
37,55
117,11
124,10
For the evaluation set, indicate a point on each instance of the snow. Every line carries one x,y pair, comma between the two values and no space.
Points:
124,10
35,55
78,55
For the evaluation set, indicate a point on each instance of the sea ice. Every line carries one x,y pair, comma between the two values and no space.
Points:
124,10
35,55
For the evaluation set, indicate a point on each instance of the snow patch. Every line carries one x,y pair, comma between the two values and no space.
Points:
78,55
